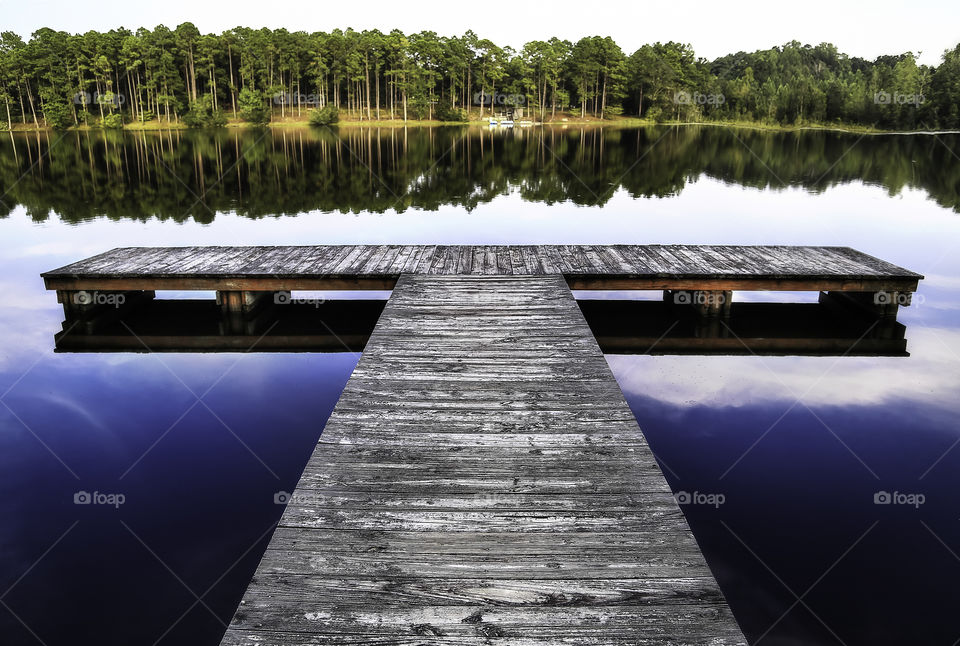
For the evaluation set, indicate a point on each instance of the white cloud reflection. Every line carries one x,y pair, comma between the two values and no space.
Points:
929,376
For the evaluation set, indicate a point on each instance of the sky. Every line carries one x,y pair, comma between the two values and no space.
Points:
925,27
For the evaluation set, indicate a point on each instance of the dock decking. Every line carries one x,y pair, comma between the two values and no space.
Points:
700,267
482,480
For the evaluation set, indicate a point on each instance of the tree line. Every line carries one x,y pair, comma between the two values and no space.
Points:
194,174
181,75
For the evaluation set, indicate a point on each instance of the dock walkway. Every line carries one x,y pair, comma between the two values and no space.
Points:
482,478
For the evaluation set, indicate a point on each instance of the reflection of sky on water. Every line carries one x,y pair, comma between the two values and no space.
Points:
799,488
198,480
202,496
930,376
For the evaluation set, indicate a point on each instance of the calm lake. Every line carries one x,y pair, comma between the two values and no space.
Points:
197,445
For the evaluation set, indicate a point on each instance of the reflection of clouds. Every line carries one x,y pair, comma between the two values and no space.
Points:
23,344
57,249
707,211
943,281
930,376
937,292
27,294
77,413
84,402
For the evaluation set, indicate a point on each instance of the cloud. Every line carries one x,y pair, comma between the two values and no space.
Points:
930,375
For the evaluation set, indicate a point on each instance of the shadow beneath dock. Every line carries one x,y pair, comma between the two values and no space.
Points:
200,326
809,329
620,326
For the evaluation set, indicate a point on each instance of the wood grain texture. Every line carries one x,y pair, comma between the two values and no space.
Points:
583,261
482,481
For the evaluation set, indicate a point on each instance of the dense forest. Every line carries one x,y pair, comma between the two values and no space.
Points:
182,76
196,174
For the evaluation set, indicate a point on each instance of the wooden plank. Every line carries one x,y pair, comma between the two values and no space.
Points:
516,592
329,281
482,478
631,545
465,260
720,267
403,260
739,283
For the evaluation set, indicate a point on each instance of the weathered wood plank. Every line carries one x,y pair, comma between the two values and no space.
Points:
482,478
398,592
626,624
618,261
631,546
425,635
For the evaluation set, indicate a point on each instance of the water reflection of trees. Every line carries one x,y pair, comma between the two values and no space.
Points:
193,175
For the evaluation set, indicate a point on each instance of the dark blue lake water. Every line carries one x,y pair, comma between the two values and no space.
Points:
185,452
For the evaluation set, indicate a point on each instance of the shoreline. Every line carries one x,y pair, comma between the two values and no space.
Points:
627,122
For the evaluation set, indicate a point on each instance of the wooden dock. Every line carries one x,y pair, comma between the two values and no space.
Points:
481,479
646,267
705,276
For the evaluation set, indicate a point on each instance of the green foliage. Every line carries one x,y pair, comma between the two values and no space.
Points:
419,106
945,89
368,74
203,115
56,112
655,113
612,111
325,116
112,121
194,118
252,106
447,166
446,113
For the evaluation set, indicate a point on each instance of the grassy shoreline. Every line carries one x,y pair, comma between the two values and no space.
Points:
626,122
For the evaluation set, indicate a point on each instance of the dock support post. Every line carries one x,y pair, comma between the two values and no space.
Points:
880,307
85,310
707,303
714,303
882,304
711,307
239,308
